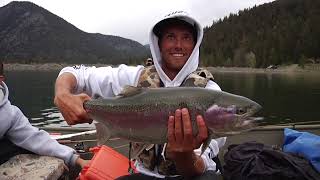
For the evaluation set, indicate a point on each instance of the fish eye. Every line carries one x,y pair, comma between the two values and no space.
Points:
241,111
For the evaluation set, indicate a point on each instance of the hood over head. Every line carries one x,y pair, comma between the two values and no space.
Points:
192,63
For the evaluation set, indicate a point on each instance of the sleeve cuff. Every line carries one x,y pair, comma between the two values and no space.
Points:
72,162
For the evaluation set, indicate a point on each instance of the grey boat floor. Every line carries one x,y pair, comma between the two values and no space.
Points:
27,166
33,167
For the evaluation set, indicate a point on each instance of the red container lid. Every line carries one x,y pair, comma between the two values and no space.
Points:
105,164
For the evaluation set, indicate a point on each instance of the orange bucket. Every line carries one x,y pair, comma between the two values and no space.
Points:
105,164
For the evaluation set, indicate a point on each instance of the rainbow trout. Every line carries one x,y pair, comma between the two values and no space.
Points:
141,114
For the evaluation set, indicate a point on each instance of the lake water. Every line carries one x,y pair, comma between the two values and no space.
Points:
285,98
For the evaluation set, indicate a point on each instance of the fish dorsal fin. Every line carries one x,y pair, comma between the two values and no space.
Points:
130,91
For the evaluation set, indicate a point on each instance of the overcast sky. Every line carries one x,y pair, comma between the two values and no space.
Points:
133,19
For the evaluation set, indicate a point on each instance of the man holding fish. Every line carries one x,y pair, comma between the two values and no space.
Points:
174,44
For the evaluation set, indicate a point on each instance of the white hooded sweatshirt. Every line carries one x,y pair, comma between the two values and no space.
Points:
108,81
16,127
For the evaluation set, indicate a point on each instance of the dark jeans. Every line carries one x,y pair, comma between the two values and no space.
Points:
8,150
208,175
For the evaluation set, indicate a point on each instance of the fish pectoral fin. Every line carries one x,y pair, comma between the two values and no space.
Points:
103,133
206,143
149,147
135,152
129,91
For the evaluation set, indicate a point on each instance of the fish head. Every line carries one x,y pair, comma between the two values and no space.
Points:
231,114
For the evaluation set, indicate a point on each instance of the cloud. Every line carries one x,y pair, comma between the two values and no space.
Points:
133,19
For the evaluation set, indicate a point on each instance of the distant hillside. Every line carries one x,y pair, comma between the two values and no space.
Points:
31,34
281,32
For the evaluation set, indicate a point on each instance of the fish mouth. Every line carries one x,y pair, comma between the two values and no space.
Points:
232,119
248,111
239,113
248,116
244,111
244,115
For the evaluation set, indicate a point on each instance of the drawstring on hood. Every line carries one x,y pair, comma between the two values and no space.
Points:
192,63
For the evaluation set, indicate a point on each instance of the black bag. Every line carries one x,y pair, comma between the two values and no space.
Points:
256,161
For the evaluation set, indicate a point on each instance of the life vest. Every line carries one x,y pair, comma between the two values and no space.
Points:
151,158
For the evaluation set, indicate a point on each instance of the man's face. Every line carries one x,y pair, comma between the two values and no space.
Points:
176,46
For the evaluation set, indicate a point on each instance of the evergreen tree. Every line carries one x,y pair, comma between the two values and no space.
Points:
276,33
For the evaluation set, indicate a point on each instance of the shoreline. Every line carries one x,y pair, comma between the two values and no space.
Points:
42,67
33,67
261,70
57,67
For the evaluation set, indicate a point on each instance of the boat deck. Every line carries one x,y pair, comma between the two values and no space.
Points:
270,135
30,166
43,167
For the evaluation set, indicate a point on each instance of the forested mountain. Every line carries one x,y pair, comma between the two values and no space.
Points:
280,32
31,34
